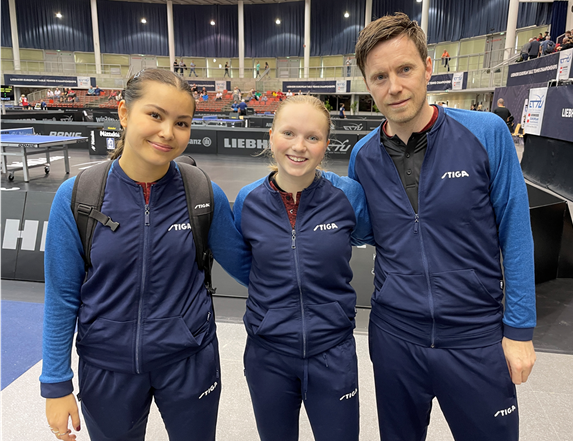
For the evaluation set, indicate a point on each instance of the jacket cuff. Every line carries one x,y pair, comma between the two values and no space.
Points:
56,390
518,334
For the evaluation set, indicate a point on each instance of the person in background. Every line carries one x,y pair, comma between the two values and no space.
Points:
91,91
300,310
235,106
525,50
446,59
50,94
453,308
182,67
57,94
236,94
146,330
226,70
534,48
243,108
547,46
24,102
342,111
504,113
192,68
567,44
97,91
219,96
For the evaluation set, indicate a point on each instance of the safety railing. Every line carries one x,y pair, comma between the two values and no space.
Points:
480,74
59,67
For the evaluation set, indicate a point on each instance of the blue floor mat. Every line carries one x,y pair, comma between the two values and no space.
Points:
22,324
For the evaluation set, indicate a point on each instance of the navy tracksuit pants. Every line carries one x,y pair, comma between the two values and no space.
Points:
473,387
327,384
116,405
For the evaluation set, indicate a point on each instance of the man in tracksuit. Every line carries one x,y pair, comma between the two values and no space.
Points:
447,200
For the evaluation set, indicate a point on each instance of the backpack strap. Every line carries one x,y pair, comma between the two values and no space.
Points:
87,199
200,204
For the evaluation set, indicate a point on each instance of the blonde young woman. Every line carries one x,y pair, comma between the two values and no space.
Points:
300,223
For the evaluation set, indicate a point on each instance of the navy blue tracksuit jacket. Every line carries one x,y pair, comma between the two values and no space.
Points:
300,299
438,276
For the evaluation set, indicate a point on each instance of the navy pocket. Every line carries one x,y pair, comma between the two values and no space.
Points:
326,324
109,343
282,324
461,296
167,336
406,293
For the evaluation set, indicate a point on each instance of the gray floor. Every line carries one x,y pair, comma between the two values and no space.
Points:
546,400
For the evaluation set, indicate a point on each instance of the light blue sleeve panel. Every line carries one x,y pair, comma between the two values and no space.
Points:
64,274
362,233
226,242
508,195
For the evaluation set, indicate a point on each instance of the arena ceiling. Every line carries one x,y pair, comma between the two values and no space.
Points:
211,2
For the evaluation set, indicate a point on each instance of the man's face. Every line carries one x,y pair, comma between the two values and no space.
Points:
397,79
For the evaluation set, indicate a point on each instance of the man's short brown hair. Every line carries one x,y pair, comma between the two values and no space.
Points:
387,28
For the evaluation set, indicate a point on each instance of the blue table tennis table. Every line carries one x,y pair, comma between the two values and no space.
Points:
29,144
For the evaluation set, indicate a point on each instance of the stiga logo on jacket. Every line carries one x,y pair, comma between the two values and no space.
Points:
180,227
323,227
455,174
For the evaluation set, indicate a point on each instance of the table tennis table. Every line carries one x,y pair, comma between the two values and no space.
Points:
28,144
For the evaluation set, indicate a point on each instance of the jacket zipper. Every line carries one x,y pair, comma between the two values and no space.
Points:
417,230
293,246
142,290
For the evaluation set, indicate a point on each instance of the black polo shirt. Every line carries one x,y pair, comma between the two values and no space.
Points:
408,158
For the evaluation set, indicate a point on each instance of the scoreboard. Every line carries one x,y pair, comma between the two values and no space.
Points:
6,93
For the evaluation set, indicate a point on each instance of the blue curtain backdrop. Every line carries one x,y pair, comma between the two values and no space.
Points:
331,32
194,35
121,30
39,28
264,38
534,14
558,19
412,9
5,24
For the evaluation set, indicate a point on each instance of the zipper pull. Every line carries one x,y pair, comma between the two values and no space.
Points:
147,214
416,224
293,246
